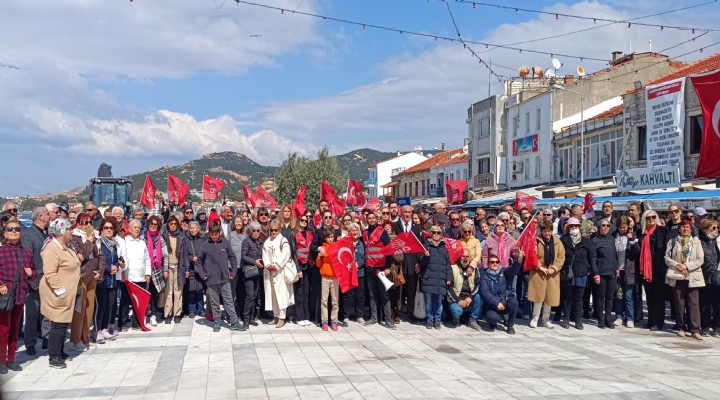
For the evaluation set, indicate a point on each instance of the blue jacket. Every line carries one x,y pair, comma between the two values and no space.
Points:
494,289
435,269
109,280
606,262
360,258
216,261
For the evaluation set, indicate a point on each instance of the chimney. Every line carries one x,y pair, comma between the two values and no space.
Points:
569,79
442,146
616,55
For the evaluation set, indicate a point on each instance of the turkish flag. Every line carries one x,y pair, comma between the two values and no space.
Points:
212,187
528,244
249,196
213,217
707,87
147,196
298,206
454,190
342,257
372,204
523,200
177,190
264,199
326,191
355,194
402,243
455,249
140,299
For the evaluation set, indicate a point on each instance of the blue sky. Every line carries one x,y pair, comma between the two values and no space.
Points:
148,83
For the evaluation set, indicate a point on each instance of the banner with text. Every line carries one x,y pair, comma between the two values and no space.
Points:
528,144
665,176
665,119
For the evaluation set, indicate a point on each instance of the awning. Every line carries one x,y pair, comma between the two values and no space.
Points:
391,184
708,199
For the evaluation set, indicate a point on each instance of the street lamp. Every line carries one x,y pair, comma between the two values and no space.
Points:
582,134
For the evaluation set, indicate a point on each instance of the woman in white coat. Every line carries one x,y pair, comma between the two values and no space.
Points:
278,294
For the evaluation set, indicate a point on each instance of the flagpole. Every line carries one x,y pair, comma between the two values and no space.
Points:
525,230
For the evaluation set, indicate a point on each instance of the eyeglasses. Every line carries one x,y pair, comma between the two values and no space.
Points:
90,209
493,262
327,217
499,225
172,223
256,230
506,220
467,231
108,227
188,212
13,229
274,230
605,226
386,212
347,220
85,223
153,224
454,219
263,214
676,211
435,232
651,217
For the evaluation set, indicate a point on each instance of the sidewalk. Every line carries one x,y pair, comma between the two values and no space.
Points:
189,361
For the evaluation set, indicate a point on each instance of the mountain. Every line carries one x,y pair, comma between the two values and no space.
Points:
357,161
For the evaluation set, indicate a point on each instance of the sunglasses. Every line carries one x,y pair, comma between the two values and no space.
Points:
548,215
435,232
467,231
256,230
493,262
499,225
303,220
13,229
106,228
263,214
651,217
172,223
675,211
454,219
274,230
90,209
714,228
86,222
386,212
327,217
604,226
347,220
12,210
188,212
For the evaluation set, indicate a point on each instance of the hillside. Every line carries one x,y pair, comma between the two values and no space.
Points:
357,161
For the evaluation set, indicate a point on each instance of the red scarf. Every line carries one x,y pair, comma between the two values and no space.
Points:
154,252
646,255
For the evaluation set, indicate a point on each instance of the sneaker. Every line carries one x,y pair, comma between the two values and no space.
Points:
57,363
114,331
216,326
360,321
344,323
429,324
79,347
107,335
124,328
630,324
565,324
153,320
705,332
325,326
238,326
438,325
715,333
617,322
370,322
13,366
474,325
334,326
191,315
92,346
3,369
510,330
66,356
100,338
390,325
168,321
178,320
548,324
534,323
490,328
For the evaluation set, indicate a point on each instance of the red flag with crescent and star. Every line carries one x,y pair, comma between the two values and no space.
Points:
403,243
327,193
372,204
455,249
140,299
212,187
249,196
355,194
527,242
454,190
707,87
342,257
147,196
177,190
264,199
298,206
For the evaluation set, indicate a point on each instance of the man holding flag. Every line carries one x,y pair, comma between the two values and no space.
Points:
411,265
375,238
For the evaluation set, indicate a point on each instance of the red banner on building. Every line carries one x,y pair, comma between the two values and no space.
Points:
707,87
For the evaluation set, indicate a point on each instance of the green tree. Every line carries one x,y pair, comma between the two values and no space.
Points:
298,170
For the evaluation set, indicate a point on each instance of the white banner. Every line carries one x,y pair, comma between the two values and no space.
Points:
687,203
661,177
665,119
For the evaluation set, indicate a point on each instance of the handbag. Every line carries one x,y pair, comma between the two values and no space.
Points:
251,271
7,301
290,272
566,274
158,280
419,306
397,276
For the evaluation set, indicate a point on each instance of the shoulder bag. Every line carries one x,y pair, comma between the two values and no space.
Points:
7,301
290,269
566,274
672,273
419,306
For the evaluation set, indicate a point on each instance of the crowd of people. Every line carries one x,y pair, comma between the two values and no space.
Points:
70,271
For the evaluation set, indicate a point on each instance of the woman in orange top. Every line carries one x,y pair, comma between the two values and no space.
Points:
329,283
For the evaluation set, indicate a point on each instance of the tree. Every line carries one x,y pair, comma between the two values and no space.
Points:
298,170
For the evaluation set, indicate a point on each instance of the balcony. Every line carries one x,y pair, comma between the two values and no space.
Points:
396,171
370,182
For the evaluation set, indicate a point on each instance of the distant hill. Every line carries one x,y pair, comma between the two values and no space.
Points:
357,162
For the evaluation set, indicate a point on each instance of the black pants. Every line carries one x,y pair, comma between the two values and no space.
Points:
235,284
35,325
710,307
409,290
639,312
314,294
153,308
354,300
379,300
590,289
687,298
494,316
125,303
603,297
252,290
56,339
655,293
301,289
572,300
107,307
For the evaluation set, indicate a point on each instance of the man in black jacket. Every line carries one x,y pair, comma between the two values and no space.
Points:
33,238
411,266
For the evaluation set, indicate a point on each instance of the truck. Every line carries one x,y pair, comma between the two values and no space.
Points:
105,190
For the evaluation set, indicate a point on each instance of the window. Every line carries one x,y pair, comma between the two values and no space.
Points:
526,169
697,123
416,189
423,187
515,125
537,166
641,142
428,185
484,127
538,119
527,123
405,189
464,174
484,166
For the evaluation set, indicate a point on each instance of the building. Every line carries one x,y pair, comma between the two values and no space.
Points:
529,140
427,179
380,173
635,150
486,126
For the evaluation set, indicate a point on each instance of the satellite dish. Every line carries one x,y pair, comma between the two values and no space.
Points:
556,63
550,73
580,71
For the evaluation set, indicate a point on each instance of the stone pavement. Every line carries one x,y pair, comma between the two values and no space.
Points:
189,361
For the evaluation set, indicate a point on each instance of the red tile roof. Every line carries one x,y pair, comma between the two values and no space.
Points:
613,112
439,160
706,64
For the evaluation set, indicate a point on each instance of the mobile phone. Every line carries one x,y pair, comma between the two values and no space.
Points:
121,259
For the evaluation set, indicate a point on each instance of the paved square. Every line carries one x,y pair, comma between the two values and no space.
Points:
189,361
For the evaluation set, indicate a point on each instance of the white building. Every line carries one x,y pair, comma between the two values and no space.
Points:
486,127
379,174
529,140
457,168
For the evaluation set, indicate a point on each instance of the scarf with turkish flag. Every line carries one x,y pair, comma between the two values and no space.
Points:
298,206
147,196
523,200
403,243
264,199
140,299
212,187
355,194
707,86
342,257
327,193
455,249
528,244
454,190
177,190
249,196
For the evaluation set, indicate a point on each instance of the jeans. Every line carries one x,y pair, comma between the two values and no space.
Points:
224,291
494,316
629,301
603,296
56,339
195,301
474,309
433,307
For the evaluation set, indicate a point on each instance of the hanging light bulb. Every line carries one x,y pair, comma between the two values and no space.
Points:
557,16
516,11
473,5
629,25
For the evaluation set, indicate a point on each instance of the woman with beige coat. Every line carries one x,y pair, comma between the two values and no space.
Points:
58,288
471,243
544,281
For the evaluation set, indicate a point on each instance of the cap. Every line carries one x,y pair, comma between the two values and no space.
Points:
64,207
441,218
573,221
699,211
59,226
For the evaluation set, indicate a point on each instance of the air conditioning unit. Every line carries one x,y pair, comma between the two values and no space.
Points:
517,166
513,178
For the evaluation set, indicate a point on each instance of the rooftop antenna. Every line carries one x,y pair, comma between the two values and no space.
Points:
650,44
557,64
